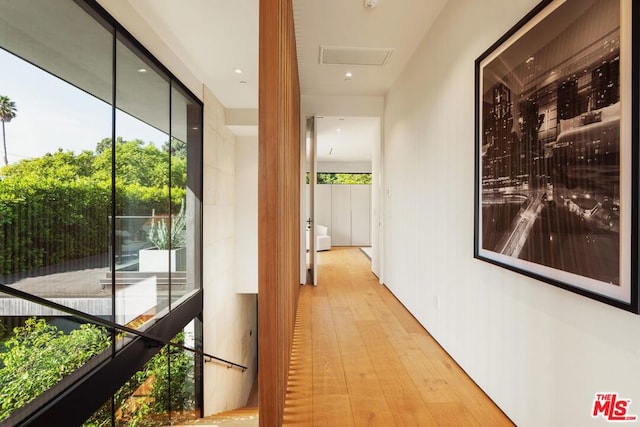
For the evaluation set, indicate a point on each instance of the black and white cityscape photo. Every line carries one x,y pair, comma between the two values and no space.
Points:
550,135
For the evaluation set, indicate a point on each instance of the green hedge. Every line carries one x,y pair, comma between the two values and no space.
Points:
56,207
46,222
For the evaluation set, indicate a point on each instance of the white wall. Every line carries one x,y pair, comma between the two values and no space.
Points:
230,319
329,105
540,352
344,167
246,223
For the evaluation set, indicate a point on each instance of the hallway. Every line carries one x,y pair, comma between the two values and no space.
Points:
359,358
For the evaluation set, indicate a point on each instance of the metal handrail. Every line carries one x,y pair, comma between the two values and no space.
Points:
106,323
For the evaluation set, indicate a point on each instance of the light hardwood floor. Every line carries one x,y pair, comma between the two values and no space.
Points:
359,358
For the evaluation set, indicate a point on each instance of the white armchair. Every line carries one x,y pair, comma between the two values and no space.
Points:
323,240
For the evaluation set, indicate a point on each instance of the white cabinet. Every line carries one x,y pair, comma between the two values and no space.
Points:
360,215
340,215
346,211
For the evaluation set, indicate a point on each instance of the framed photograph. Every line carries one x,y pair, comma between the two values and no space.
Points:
556,188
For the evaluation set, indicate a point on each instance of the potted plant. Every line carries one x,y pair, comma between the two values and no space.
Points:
169,244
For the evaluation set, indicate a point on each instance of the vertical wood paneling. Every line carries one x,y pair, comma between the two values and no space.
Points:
279,207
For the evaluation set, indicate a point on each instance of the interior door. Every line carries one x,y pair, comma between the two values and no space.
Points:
311,232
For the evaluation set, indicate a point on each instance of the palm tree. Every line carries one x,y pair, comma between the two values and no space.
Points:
7,112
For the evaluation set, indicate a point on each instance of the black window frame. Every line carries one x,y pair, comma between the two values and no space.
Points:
84,391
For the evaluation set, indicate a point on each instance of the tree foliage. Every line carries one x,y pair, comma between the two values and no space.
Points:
8,109
38,355
58,166
344,178
7,112
177,148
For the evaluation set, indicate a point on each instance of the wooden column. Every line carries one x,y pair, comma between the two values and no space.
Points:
279,207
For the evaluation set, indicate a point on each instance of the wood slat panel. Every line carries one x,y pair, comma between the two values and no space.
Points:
278,207
299,389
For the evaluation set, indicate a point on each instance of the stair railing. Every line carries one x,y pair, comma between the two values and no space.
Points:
115,326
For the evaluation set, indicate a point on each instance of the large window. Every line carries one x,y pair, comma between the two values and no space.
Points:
100,194
162,392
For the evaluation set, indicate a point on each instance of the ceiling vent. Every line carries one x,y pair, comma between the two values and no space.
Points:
354,55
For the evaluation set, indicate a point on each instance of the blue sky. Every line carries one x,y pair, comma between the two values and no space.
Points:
53,114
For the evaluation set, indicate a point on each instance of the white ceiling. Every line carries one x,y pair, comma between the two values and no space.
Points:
213,37
347,139
396,24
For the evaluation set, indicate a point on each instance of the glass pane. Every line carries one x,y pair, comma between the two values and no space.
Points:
163,392
186,162
55,194
39,350
62,38
143,216
343,178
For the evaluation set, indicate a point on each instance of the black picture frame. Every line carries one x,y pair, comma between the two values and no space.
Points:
556,149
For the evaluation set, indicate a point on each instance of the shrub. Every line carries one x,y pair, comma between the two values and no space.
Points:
170,378
38,355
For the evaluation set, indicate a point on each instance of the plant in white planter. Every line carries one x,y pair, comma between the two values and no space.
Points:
169,242
176,237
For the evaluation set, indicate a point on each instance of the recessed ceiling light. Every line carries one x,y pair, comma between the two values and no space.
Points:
142,70
339,130
348,74
238,70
